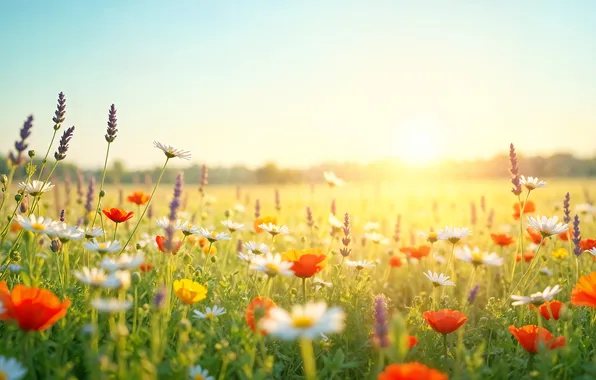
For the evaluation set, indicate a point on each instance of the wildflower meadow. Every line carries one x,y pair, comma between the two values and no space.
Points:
334,280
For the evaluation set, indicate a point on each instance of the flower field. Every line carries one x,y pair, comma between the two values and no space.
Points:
334,280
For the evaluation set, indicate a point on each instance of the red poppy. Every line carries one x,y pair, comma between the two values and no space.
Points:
502,240
395,261
411,371
306,262
412,341
587,244
529,207
258,308
531,337
534,236
584,292
146,267
416,253
138,198
550,309
32,308
117,215
565,236
161,245
263,220
444,321
528,257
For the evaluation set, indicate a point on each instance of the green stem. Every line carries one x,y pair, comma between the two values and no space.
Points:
304,290
308,357
103,177
45,159
146,206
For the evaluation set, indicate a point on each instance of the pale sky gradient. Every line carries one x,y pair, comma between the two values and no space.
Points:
301,82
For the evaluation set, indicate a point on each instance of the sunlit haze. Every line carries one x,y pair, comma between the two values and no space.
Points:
303,82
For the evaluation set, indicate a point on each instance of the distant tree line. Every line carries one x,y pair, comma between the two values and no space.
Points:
559,165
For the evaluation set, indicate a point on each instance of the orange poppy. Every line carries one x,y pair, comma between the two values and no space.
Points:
161,245
587,244
146,267
395,261
263,220
531,337
117,215
412,341
32,308
534,236
15,227
584,292
411,371
550,309
565,236
207,250
416,253
306,262
529,207
444,321
502,240
528,257
257,309
138,198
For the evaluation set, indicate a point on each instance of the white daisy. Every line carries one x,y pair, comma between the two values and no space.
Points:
359,265
547,226
124,261
11,369
536,298
453,234
107,247
303,322
65,233
478,257
118,280
376,238
233,226
187,228
439,259
172,152
38,225
372,226
439,279
256,248
272,265
248,257
35,187
321,284
335,222
210,313
430,237
165,222
212,236
93,232
332,180
198,373
545,271
93,276
111,305
274,229
531,183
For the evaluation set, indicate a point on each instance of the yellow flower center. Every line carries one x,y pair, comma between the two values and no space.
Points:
272,269
197,377
477,258
40,227
3,375
102,246
302,322
209,315
432,237
453,240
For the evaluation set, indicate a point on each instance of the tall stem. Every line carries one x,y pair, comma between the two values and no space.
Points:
45,159
103,178
146,206
308,357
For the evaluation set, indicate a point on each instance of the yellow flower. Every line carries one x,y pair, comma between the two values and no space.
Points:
189,291
560,253
212,251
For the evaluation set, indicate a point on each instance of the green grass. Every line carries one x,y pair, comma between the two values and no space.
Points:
146,342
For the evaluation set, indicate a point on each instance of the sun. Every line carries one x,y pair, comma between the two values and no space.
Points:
417,143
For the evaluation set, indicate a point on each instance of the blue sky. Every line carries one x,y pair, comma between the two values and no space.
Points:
300,82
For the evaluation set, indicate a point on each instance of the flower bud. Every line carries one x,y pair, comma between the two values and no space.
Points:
31,153
102,193
4,179
135,278
55,245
